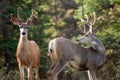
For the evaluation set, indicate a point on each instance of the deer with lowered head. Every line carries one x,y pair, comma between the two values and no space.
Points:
28,52
63,52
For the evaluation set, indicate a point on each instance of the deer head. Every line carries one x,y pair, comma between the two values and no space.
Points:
24,26
89,36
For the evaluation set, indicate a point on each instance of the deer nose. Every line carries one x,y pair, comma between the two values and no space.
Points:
23,33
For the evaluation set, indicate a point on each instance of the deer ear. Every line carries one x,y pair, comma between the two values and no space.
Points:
31,21
14,20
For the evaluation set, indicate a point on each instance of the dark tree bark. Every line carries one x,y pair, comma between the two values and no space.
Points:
6,37
5,31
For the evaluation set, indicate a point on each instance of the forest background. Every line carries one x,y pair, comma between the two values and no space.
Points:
59,18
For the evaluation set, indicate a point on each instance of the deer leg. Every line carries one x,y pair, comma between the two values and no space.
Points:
49,73
93,73
51,68
21,68
37,73
30,74
54,63
89,75
58,69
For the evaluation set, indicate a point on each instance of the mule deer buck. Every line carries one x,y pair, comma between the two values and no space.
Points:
64,52
28,53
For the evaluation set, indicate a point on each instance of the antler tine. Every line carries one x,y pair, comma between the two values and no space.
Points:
18,13
31,15
87,17
88,23
95,19
99,18
84,21
91,29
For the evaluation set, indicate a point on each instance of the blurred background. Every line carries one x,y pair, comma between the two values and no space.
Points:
60,18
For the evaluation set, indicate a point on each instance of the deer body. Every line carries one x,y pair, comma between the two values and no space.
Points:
64,52
28,52
77,57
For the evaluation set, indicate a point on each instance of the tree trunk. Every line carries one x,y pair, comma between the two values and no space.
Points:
5,31
6,37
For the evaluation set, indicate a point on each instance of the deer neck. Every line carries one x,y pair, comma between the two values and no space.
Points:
97,45
23,41
22,48
23,38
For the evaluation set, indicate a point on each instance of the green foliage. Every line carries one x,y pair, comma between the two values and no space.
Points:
110,38
12,75
11,44
115,1
108,28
